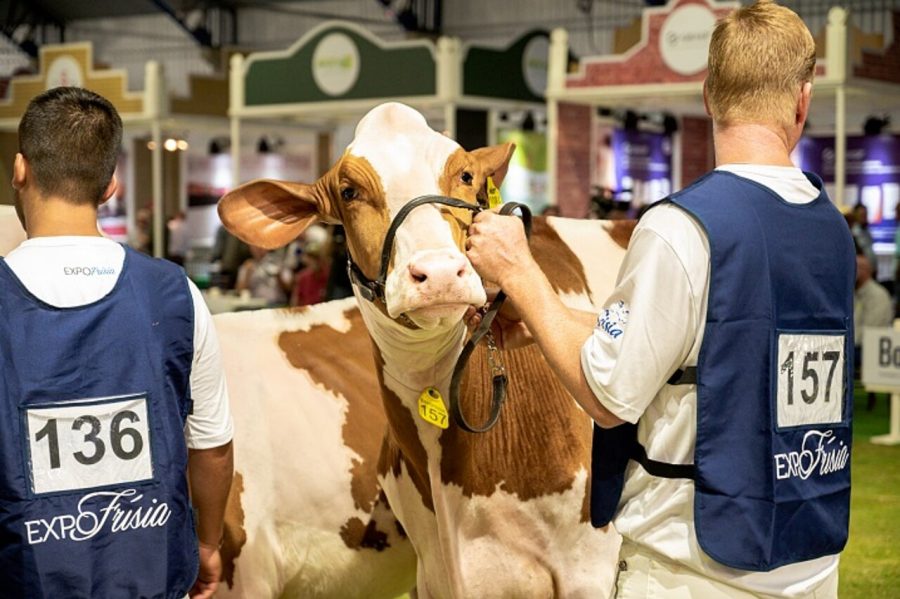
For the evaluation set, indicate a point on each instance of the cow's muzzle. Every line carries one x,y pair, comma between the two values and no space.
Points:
374,290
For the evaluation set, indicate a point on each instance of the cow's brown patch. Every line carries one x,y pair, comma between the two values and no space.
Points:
541,440
358,535
341,362
364,215
621,230
401,443
556,259
234,535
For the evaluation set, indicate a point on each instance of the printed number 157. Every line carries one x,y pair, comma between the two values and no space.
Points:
809,373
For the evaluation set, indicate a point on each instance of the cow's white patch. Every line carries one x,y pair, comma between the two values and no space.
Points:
612,320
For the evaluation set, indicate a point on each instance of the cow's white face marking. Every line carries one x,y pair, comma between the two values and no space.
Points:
431,279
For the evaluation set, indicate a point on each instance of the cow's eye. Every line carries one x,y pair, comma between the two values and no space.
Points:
349,193
466,177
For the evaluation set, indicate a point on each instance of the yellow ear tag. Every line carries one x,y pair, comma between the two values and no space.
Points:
493,193
431,408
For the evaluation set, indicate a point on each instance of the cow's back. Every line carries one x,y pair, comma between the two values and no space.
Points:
306,517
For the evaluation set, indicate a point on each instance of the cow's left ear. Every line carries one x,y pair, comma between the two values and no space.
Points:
268,213
495,160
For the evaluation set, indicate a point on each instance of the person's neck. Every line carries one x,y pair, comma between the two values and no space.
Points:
54,216
751,143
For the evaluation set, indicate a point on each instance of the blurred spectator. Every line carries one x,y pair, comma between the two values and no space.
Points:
338,279
178,242
265,276
872,307
859,226
311,281
143,233
230,253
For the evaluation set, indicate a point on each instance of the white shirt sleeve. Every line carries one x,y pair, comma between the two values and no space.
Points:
649,324
210,423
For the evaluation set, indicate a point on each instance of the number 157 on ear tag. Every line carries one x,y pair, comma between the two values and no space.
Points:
431,408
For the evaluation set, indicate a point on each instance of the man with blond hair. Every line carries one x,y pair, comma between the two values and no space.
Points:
720,370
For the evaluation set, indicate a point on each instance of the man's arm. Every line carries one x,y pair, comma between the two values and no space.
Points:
209,474
208,432
502,255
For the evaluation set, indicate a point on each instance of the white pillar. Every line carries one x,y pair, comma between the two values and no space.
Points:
154,109
836,70
235,104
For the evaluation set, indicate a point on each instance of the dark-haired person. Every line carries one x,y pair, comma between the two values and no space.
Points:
720,370
111,385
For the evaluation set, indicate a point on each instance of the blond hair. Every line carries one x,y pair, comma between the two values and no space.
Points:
759,58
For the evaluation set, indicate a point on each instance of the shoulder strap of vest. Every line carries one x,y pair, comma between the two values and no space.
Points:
684,376
661,469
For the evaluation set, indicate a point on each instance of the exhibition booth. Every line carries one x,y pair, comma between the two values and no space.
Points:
663,69
330,77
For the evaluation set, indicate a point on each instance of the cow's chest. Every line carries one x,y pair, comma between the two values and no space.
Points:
502,546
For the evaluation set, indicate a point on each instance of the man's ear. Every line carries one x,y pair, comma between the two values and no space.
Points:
803,104
110,189
706,100
20,172
268,213
494,160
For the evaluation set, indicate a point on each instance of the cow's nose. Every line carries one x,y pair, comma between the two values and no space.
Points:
436,270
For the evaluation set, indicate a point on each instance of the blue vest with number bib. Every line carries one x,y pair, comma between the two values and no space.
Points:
93,400
774,381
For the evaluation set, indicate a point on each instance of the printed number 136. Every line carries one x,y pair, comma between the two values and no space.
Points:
809,373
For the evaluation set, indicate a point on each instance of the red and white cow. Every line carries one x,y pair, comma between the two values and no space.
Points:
495,515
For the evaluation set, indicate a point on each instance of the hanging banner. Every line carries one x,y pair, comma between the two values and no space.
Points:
643,166
872,178
630,166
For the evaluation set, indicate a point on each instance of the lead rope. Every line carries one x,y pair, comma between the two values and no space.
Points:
498,372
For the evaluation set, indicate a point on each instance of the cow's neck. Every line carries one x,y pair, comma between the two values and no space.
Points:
413,359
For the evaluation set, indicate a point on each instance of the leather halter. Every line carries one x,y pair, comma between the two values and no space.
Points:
374,290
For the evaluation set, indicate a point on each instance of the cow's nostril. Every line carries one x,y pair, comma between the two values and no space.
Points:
417,273
461,272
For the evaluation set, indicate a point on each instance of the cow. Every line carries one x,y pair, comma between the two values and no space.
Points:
504,513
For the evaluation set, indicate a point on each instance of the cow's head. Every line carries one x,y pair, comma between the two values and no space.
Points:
394,158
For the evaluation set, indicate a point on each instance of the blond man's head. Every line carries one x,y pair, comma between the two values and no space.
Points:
760,56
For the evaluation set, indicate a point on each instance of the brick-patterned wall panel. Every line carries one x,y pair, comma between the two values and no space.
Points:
645,64
697,156
883,66
573,166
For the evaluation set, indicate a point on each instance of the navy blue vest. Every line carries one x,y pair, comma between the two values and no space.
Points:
774,381
93,400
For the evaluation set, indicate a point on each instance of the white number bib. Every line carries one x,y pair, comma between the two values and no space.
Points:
811,369
88,444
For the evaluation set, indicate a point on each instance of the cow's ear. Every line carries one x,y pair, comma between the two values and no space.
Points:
495,160
268,213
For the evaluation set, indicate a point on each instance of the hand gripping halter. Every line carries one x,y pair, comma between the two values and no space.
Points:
374,290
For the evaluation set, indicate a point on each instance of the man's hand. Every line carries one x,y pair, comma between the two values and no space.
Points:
209,472
508,328
210,572
498,249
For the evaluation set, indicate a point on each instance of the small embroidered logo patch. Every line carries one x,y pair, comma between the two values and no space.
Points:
88,271
612,320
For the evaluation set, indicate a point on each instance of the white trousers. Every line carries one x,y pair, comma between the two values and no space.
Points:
645,575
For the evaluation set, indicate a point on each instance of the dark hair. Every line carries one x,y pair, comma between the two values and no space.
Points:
70,137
